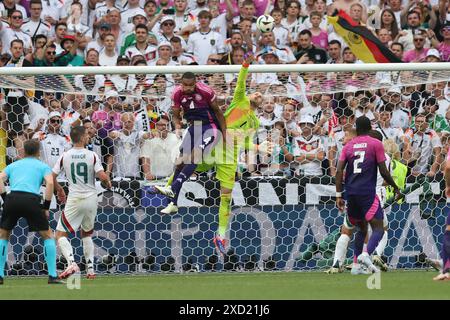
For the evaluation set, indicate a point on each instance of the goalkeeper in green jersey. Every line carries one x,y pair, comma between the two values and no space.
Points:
241,124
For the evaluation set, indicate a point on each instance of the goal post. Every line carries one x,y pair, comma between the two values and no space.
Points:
283,211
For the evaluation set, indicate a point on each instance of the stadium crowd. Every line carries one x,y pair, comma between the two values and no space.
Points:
129,116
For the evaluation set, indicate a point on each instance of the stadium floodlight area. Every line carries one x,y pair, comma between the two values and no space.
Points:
283,213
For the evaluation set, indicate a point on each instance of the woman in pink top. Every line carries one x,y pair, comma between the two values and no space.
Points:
319,36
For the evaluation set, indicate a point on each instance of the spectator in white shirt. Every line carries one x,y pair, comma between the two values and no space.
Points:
160,152
206,41
108,56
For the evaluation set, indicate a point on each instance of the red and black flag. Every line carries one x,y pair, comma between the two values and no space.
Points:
363,43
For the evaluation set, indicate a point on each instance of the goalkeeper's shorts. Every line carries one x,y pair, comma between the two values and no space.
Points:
225,173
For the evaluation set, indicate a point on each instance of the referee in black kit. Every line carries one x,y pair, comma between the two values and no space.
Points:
25,178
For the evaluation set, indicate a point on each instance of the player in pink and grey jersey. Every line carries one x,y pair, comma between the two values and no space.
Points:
206,127
361,158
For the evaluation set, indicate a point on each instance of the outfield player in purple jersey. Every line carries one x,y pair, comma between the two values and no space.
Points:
206,126
361,158
445,275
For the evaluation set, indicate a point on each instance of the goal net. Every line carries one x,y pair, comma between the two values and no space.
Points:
283,208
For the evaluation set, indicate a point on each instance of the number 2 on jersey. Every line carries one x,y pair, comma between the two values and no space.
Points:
360,159
81,170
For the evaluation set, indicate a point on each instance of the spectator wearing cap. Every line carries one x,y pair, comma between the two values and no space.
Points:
160,152
184,20
400,115
165,51
53,142
167,30
178,54
108,56
13,31
70,44
142,45
284,53
35,25
270,56
123,83
205,41
308,150
419,53
133,9
306,47
433,56
103,28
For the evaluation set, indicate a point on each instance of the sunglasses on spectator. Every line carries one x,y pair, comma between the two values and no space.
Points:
52,53
16,17
419,39
214,60
168,24
55,120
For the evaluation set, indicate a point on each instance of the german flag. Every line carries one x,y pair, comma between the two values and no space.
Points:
361,41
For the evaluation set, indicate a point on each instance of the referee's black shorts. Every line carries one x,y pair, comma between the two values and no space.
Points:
23,205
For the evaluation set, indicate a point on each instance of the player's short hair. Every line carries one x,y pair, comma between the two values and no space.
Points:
16,41
141,26
363,125
305,31
376,135
335,42
76,133
188,76
205,14
31,147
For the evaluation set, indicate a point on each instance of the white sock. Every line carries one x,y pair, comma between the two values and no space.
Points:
88,249
341,249
66,249
382,244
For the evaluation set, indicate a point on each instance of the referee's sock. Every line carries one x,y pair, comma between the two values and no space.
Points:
3,256
50,256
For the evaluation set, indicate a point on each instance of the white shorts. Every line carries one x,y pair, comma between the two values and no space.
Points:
79,212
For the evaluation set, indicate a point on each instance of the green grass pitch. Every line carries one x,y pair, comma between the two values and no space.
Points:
206,286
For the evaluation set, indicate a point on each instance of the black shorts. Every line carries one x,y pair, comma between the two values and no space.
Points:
23,205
